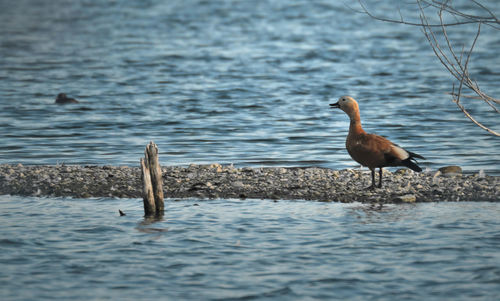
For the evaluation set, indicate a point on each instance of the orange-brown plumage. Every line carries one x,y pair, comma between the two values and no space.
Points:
371,150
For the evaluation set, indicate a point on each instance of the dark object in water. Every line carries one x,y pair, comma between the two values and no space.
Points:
63,99
121,212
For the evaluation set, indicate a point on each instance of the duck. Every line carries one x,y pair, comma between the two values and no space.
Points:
63,99
370,150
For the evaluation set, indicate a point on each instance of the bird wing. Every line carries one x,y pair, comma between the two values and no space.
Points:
376,151
398,152
369,150
398,156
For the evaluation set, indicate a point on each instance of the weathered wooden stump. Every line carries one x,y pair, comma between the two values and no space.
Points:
152,183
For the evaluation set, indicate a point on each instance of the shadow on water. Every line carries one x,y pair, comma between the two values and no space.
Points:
146,225
376,213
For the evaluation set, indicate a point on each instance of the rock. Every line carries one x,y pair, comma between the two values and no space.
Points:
450,170
238,184
402,171
407,198
216,166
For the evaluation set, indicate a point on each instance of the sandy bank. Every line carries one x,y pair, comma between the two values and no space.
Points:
216,181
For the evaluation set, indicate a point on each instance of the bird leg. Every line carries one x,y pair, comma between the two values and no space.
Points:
379,177
373,186
373,180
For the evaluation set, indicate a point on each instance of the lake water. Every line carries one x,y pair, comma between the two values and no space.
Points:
248,83
242,82
247,250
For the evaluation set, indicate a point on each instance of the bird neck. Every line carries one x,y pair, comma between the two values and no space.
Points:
355,127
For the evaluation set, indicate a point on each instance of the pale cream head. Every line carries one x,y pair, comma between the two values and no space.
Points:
348,105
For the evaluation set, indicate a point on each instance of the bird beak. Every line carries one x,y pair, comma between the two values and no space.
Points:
335,105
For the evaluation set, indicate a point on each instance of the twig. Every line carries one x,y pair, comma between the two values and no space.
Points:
466,113
478,98
492,21
452,62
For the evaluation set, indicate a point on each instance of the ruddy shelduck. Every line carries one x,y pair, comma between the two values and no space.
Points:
371,150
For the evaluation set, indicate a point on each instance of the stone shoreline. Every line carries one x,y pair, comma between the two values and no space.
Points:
217,181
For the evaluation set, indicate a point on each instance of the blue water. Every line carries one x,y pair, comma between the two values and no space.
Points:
247,250
248,83
242,82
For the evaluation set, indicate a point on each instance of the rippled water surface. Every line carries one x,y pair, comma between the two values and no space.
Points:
74,249
243,82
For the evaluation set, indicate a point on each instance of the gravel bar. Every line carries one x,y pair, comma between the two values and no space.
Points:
226,181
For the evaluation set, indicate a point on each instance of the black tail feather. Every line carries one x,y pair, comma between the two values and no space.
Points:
411,165
410,162
413,155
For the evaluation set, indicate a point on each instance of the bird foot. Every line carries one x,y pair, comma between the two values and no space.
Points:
371,187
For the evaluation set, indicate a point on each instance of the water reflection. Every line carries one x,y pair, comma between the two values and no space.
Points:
146,225
381,213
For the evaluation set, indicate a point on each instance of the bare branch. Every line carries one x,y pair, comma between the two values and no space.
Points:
457,60
469,19
492,15
457,65
468,115
492,20
492,105
445,61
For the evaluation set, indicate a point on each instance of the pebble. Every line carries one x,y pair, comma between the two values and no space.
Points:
407,198
450,170
226,181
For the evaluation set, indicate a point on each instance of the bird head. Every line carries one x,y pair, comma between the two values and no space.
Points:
346,104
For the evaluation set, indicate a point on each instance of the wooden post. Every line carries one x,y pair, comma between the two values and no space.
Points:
147,189
152,189
156,176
